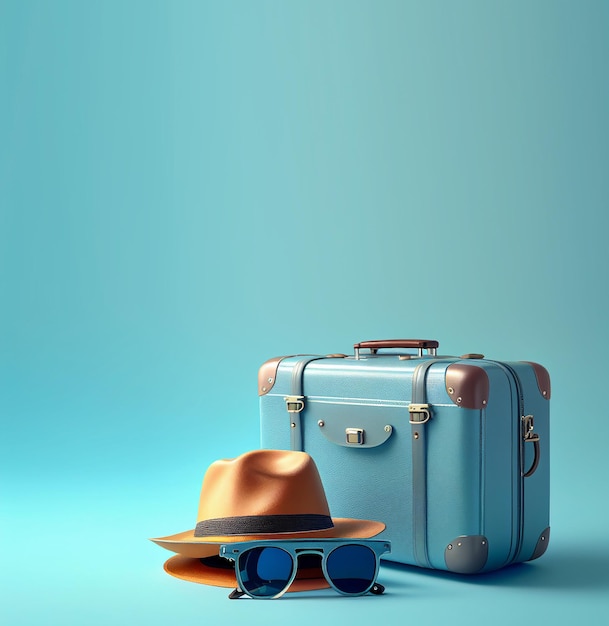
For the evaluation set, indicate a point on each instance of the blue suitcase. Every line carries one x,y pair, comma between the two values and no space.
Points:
452,453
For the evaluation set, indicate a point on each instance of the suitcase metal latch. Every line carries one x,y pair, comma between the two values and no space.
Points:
355,436
294,404
419,413
528,426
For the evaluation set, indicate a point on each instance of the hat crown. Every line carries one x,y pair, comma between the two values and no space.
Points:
260,495
262,483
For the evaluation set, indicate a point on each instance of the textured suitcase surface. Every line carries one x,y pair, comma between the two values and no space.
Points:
452,453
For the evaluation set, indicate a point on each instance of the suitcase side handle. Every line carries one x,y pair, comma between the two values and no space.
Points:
431,345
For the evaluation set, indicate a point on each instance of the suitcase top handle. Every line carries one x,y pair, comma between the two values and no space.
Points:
431,345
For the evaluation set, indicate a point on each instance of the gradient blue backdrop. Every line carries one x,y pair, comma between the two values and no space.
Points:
189,188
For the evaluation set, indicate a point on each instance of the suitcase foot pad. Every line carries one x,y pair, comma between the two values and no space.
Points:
466,554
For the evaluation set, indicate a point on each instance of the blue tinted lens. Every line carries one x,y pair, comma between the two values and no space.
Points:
351,568
265,571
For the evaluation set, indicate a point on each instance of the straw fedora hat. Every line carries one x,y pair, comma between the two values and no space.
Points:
263,494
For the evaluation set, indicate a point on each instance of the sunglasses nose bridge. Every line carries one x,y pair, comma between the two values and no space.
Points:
310,564
320,552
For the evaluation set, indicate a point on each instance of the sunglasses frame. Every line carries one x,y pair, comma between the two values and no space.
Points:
297,547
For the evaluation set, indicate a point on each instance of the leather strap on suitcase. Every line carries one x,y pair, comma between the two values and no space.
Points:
295,402
420,414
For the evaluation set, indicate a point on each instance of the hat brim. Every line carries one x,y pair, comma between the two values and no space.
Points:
195,571
186,544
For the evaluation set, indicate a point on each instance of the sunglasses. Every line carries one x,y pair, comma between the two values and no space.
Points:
266,569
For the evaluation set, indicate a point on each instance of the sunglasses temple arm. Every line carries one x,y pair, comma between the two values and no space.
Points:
377,589
235,594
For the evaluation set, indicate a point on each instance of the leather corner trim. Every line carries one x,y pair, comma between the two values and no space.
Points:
467,385
466,554
267,374
543,379
542,544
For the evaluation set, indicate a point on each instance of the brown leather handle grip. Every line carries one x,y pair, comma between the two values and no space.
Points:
397,343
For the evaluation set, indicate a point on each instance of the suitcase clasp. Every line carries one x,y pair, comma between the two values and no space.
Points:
294,404
355,436
419,413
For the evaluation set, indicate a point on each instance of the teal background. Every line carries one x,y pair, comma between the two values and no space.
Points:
190,188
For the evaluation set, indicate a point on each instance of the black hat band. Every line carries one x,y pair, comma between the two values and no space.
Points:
262,525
